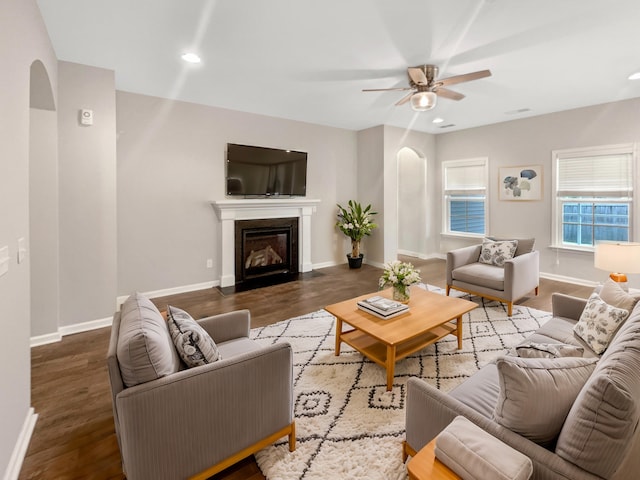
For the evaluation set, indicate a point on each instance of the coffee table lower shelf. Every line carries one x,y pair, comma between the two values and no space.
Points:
388,355
385,341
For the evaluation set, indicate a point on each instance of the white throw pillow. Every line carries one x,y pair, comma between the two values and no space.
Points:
599,322
471,452
496,253
613,294
194,345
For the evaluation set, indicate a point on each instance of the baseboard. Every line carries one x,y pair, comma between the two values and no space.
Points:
170,291
106,322
374,264
40,340
22,444
562,278
423,256
85,326
409,253
318,266
45,339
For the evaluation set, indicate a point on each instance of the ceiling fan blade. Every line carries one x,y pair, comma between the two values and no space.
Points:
418,76
404,99
386,89
467,77
450,94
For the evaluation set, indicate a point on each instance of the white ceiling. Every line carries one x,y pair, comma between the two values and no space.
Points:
309,60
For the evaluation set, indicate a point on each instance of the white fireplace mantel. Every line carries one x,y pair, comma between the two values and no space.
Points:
230,210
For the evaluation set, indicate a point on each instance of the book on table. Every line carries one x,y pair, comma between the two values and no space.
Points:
382,307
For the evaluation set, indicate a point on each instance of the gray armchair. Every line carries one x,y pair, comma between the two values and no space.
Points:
507,284
196,422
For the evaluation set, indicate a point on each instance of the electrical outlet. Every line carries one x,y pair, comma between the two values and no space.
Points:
209,263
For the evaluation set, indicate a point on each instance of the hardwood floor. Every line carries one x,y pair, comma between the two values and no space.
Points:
74,436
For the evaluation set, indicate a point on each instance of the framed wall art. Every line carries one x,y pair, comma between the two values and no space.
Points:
520,183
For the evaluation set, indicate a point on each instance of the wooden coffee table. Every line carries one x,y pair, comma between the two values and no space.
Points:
430,318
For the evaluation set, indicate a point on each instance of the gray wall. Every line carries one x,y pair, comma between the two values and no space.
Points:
19,19
171,165
412,203
378,149
87,180
530,142
395,139
43,221
371,184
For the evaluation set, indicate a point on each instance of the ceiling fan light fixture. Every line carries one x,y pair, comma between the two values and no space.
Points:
423,101
191,57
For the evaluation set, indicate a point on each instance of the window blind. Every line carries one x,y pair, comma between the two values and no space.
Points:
467,178
595,176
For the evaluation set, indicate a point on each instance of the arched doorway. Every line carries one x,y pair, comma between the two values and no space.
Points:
412,203
43,204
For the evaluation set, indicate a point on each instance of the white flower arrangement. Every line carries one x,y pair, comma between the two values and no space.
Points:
399,275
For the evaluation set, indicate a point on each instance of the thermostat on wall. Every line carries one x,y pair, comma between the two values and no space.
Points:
86,117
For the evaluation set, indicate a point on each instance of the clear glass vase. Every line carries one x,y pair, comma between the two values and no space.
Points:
401,293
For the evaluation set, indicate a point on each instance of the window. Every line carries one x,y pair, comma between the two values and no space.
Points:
465,196
593,191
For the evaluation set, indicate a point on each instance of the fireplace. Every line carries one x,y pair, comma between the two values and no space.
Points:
265,249
229,211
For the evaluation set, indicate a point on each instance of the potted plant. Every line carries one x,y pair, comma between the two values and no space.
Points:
355,222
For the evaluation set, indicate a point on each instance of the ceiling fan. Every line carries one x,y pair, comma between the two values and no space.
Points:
426,87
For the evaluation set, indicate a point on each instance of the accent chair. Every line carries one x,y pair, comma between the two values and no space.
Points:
501,270
172,421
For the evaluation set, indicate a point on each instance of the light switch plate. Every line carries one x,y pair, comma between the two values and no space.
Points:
22,249
4,260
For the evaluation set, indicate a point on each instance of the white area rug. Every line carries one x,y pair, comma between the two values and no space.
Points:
347,424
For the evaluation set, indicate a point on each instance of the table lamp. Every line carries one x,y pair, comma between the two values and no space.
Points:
618,257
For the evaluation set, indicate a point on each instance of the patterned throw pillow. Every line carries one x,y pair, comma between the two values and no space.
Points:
193,343
496,253
598,323
525,245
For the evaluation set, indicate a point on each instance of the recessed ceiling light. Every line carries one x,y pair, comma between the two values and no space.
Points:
634,76
191,57
438,120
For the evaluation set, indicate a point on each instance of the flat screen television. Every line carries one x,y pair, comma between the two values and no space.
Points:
260,171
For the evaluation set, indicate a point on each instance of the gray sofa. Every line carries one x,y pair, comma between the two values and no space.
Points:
598,439
175,422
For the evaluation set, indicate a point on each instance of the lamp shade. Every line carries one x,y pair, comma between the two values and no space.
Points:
621,257
423,101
